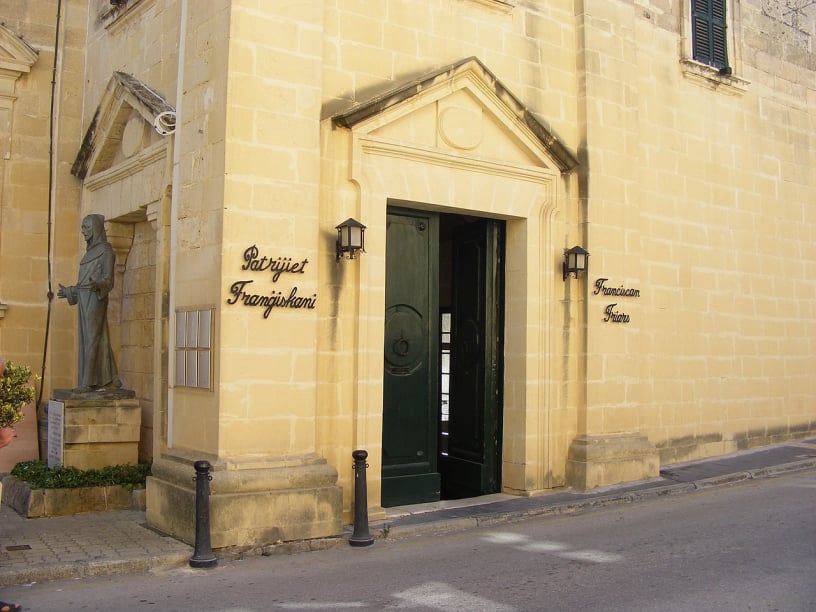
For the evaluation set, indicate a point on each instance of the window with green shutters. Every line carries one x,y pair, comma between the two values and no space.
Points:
708,32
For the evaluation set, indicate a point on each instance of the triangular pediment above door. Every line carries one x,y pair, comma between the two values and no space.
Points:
16,57
460,108
131,118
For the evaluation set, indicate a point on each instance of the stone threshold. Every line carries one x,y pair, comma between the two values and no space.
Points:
39,503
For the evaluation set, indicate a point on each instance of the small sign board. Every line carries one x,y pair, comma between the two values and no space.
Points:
56,417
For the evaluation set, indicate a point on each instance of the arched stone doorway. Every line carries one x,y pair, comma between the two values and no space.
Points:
457,142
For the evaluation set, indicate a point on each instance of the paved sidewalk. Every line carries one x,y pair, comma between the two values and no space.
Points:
42,549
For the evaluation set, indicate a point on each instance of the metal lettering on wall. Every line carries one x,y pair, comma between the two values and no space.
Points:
611,312
275,267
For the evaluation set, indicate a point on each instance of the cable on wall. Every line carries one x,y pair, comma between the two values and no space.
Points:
49,258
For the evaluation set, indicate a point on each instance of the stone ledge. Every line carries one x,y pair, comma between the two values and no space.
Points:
38,503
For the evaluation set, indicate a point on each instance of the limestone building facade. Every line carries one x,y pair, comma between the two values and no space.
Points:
477,141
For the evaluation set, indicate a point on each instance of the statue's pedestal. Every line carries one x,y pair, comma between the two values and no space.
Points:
100,428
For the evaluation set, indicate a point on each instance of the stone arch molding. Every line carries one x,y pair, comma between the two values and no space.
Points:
125,155
457,140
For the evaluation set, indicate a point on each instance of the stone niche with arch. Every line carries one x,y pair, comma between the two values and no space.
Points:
124,163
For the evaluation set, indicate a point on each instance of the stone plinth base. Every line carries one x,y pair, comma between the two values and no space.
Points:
599,461
251,503
100,430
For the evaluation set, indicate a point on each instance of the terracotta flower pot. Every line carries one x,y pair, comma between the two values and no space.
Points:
7,434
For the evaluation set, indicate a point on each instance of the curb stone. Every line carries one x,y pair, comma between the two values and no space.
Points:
89,569
755,474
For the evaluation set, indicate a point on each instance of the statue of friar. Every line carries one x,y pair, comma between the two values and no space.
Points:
97,368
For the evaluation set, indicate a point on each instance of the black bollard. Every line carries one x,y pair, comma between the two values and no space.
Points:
203,555
361,536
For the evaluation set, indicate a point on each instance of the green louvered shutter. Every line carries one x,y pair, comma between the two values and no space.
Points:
708,32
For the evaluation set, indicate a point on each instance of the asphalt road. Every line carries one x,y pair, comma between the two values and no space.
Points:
745,547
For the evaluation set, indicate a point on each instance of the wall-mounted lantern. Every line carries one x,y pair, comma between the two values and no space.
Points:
350,238
575,261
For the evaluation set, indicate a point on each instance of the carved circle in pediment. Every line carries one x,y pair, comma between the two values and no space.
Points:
132,136
461,128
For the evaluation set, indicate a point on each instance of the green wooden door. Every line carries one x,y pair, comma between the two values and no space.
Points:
471,466
411,377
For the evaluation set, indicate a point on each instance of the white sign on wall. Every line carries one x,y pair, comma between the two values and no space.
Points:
56,416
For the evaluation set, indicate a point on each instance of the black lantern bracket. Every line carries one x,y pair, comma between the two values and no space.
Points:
576,260
350,238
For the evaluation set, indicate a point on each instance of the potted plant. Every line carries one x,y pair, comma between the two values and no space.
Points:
15,393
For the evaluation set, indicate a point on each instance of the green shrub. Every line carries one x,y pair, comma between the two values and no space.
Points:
15,392
38,476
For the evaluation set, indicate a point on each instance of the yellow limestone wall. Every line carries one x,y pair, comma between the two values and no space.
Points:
25,217
248,183
369,50
693,189
698,195
665,210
